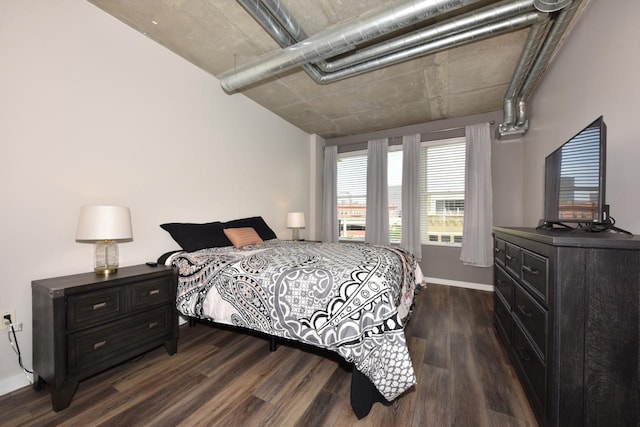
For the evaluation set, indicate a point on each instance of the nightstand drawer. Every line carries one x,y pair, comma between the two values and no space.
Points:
150,292
102,346
95,307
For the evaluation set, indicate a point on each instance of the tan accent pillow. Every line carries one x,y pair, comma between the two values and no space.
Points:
243,236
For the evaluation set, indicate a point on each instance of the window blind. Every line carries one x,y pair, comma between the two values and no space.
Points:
442,177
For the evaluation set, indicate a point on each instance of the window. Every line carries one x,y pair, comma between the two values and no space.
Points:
442,172
352,194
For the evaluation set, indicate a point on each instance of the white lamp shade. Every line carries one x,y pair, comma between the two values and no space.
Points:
104,223
295,220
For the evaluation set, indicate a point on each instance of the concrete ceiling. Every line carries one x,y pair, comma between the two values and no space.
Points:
216,34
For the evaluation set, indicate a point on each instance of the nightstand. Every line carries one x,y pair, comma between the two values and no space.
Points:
86,323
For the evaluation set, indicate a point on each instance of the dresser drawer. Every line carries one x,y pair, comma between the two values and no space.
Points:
504,285
95,307
513,259
532,316
532,368
534,274
503,318
150,292
498,248
104,345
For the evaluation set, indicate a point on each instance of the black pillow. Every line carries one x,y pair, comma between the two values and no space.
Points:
256,222
193,237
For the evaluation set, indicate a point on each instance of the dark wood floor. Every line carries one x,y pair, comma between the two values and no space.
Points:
225,378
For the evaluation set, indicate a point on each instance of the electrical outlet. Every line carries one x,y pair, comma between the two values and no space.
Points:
4,324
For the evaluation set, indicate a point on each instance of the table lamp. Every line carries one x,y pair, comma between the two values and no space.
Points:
105,226
295,220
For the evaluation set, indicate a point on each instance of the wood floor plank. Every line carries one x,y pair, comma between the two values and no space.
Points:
434,394
323,411
293,405
222,377
252,411
466,397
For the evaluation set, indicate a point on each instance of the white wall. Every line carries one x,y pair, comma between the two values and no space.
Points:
595,74
93,112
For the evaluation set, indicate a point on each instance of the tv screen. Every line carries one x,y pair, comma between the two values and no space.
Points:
575,178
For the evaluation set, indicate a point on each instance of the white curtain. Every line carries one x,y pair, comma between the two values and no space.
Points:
377,223
477,241
411,195
330,195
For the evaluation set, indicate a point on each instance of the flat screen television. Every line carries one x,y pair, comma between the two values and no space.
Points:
575,178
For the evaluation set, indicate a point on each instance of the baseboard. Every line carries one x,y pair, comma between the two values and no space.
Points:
7,385
459,284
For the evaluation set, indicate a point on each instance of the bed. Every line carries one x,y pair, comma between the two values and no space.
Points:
350,298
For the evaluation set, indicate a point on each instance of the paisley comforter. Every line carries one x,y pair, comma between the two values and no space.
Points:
351,298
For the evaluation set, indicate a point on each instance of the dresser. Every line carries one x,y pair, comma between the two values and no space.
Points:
566,308
86,323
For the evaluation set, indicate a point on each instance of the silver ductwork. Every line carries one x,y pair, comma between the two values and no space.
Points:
314,53
488,14
468,21
551,5
527,77
489,30
339,39
532,46
490,21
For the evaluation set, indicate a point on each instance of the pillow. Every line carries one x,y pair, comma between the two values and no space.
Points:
243,236
255,222
193,237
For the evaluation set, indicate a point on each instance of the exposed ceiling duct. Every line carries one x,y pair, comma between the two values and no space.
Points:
330,55
489,14
339,39
529,71
551,5
487,22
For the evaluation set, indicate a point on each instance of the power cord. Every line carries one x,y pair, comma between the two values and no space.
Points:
16,348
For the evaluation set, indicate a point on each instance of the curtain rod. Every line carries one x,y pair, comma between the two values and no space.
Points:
491,123
395,140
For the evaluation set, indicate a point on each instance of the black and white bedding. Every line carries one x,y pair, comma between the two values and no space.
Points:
351,298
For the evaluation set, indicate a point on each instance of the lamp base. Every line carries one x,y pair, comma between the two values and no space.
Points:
105,271
106,257
295,234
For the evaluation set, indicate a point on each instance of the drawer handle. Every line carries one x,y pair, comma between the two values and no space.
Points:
99,306
523,311
530,270
509,257
99,344
522,353
154,292
152,325
498,250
